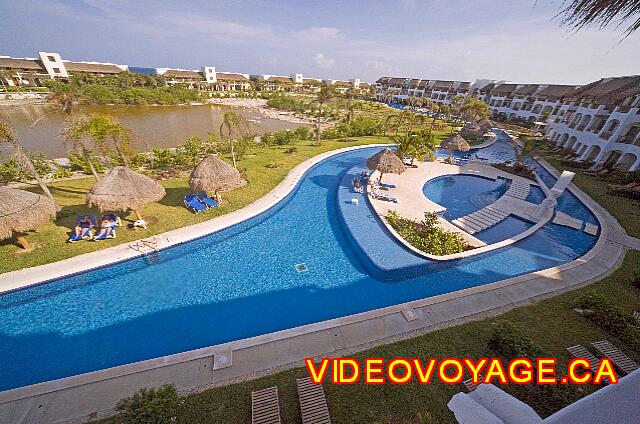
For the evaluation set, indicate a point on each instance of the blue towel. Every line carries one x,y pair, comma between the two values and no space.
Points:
85,233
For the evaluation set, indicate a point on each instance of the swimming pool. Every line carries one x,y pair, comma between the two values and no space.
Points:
462,194
234,284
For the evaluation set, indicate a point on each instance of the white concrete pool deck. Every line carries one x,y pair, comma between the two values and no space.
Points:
93,395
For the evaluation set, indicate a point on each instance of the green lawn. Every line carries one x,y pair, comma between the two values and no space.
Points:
551,324
50,239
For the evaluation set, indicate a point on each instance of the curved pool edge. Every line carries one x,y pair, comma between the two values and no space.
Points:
467,253
197,369
41,274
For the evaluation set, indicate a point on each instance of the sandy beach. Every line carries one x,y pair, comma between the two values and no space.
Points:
260,106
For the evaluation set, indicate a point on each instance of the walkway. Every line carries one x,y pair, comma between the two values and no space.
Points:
511,203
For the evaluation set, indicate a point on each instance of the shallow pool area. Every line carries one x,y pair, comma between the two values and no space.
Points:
296,264
463,194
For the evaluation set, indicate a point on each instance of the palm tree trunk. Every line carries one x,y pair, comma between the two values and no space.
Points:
319,122
89,160
123,158
26,162
23,242
233,153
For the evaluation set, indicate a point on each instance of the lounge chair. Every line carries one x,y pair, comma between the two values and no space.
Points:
86,227
207,201
194,204
265,406
109,230
85,234
579,351
625,364
377,194
470,385
313,403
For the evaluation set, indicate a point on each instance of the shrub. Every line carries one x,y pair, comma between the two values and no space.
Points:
79,163
509,341
62,173
610,318
149,406
427,235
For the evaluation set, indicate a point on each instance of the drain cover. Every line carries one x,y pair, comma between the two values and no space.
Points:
302,267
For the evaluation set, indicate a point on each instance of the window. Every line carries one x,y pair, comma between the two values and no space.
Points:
51,58
56,70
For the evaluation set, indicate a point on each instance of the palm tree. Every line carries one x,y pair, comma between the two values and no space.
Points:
77,132
417,145
434,108
325,94
234,124
582,13
7,135
64,95
104,129
474,109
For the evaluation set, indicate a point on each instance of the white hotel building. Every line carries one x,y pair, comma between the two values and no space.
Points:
599,121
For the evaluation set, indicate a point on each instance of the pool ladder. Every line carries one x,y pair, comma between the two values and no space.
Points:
149,249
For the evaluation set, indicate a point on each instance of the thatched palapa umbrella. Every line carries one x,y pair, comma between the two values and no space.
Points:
22,211
122,189
213,174
386,161
456,142
471,131
485,125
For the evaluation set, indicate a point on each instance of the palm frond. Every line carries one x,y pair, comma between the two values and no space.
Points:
578,14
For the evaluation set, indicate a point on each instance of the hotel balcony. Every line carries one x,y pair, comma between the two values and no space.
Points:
605,135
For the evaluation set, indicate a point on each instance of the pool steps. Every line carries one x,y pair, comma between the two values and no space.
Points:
499,210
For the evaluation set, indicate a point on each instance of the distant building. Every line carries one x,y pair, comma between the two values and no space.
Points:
600,121
33,72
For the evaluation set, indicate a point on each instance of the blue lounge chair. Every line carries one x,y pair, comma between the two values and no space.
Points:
110,232
207,201
87,228
192,203
85,234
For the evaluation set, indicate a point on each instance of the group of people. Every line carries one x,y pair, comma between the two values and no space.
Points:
360,181
85,223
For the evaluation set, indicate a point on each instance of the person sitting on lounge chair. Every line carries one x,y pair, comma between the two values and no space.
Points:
83,227
107,227
357,186
217,197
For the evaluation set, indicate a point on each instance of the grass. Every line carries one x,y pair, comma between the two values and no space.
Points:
168,214
551,324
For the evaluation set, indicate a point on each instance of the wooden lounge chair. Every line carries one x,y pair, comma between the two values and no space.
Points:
619,359
313,403
579,351
265,406
470,385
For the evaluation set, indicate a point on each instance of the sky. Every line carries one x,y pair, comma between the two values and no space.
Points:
518,40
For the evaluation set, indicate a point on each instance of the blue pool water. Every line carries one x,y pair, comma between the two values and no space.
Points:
509,227
237,283
463,194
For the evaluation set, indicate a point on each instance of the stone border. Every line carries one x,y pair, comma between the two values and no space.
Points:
203,368
41,274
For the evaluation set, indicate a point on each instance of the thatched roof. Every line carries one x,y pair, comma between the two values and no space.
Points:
22,211
456,142
386,161
471,131
485,125
124,189
93,67
214,174
13,63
